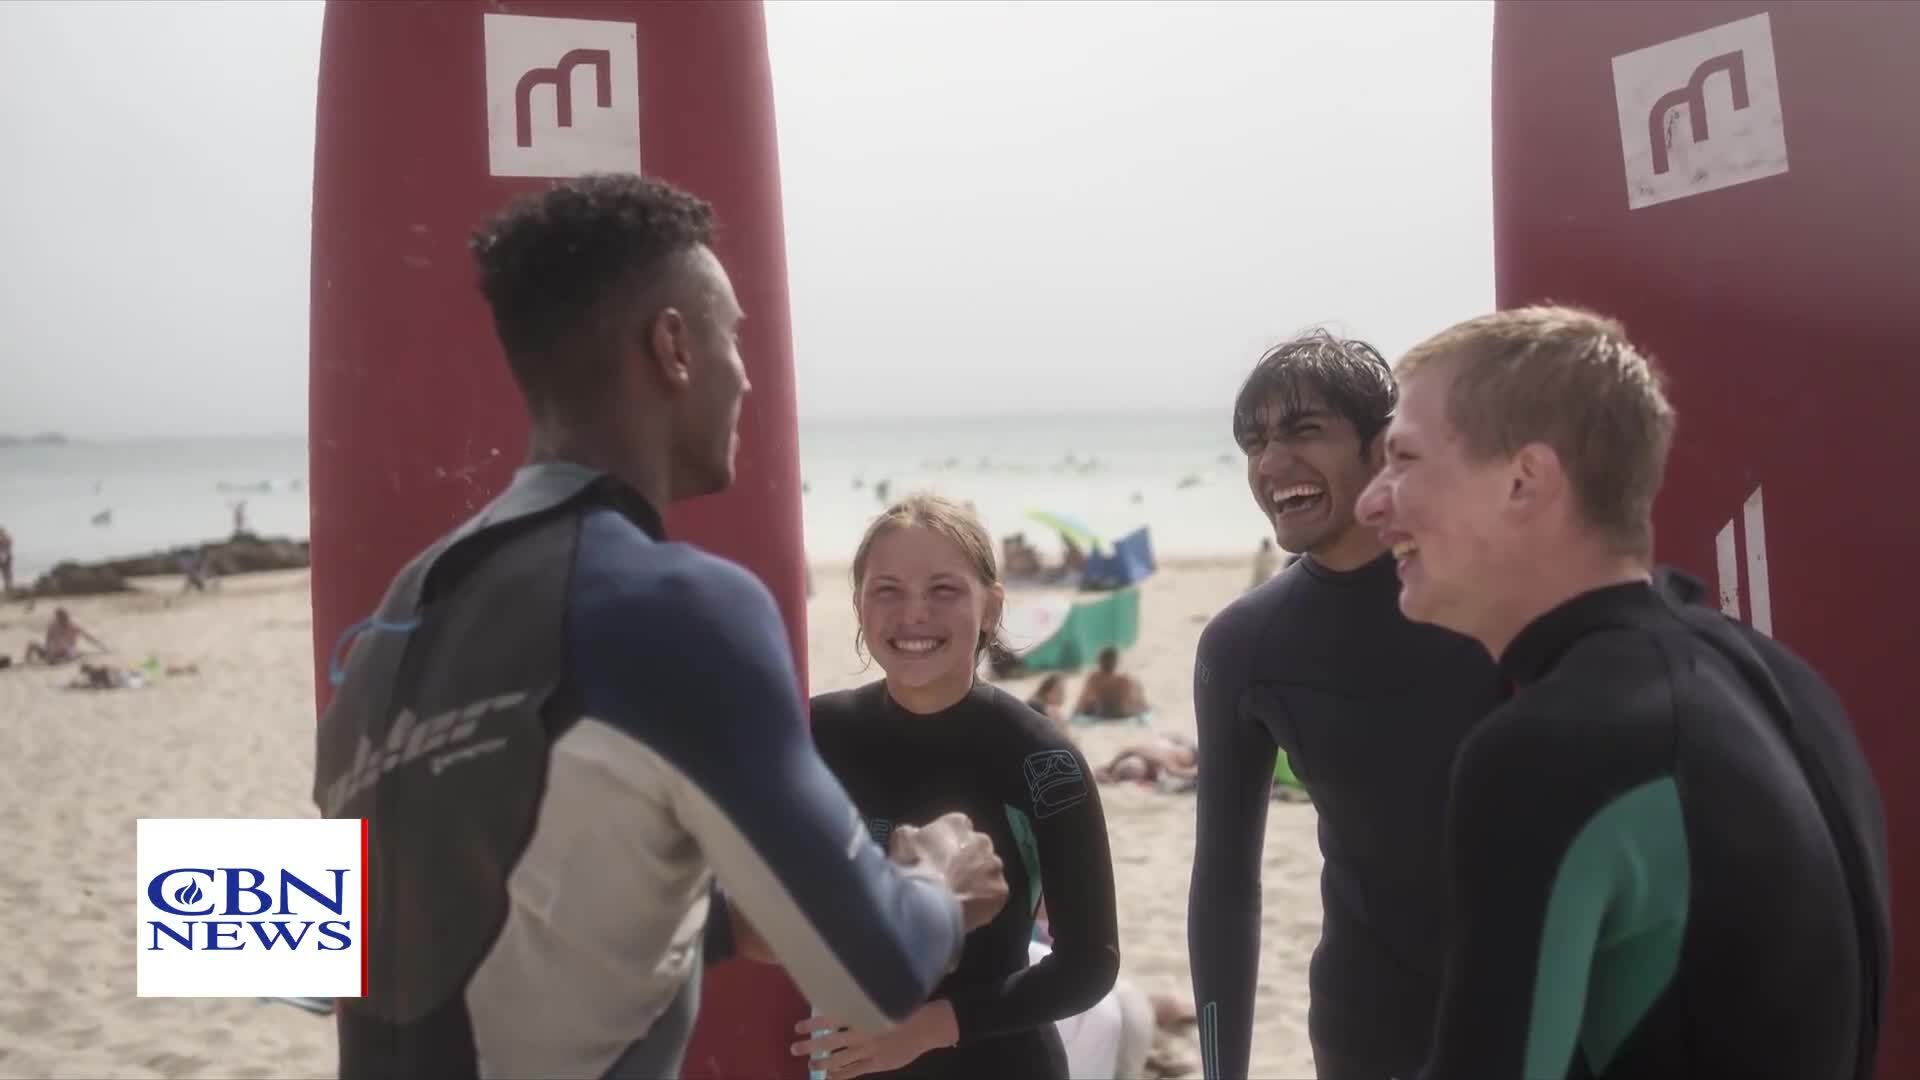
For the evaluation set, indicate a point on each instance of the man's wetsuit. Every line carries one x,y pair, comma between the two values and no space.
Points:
1370,709
563,728
1003,765
1647,883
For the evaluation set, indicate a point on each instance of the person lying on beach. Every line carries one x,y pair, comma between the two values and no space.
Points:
62,642
103,677
1108,694
1168,756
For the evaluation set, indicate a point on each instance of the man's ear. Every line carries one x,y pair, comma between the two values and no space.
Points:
1535,479
669,349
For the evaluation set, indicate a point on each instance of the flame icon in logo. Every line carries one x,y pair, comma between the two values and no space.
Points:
189,893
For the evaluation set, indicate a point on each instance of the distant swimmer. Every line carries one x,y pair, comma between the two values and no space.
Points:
1668,853
932,737
1369,709
581,745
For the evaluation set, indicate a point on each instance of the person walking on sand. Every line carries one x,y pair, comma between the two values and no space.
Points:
1369,709
615,786
6,562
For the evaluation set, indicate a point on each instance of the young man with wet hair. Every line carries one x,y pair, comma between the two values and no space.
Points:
1369,708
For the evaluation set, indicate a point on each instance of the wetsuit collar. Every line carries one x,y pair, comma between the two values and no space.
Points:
611,489
1544,640
1381,566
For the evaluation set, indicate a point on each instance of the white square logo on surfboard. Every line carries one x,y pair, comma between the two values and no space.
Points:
1700,113
563,96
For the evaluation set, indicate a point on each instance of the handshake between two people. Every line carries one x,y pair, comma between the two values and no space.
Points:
962,856
949,846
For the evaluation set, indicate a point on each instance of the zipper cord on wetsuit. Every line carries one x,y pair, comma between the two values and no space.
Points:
336,672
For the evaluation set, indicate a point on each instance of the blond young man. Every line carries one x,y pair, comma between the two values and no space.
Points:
1667,851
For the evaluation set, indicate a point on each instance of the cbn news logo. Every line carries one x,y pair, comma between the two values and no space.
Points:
250,907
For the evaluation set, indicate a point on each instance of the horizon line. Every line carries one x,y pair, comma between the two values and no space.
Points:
1046,413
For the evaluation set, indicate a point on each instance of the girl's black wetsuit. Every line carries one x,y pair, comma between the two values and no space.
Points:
1005,766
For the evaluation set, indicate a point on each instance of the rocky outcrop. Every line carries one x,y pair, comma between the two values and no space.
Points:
244,553
79,579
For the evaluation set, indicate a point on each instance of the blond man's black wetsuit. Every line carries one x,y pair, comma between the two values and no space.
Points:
1669,859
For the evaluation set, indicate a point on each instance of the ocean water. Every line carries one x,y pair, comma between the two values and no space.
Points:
1179,474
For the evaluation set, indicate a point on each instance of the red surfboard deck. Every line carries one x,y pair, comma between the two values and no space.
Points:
431,116
1735,182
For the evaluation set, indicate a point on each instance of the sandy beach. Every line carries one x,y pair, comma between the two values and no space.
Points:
233,738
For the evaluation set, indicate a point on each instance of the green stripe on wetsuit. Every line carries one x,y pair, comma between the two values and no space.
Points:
1615,920
1022,826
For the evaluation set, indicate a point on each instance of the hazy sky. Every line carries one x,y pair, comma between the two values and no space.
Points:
1011,203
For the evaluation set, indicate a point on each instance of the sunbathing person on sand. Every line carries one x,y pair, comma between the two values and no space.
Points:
1171,757
62,642
1108,694
102,677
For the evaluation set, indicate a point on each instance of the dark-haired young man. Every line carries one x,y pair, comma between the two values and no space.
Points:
564,727
1369,707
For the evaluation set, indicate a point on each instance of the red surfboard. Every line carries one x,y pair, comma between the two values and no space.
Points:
431,116
1735,182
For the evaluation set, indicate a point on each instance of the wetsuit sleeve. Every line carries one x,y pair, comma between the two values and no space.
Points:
1068,832
1547,851
1223,903
691,659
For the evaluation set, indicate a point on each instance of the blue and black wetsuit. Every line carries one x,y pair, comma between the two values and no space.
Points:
1669,860
564,729
1024,785
1370,709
